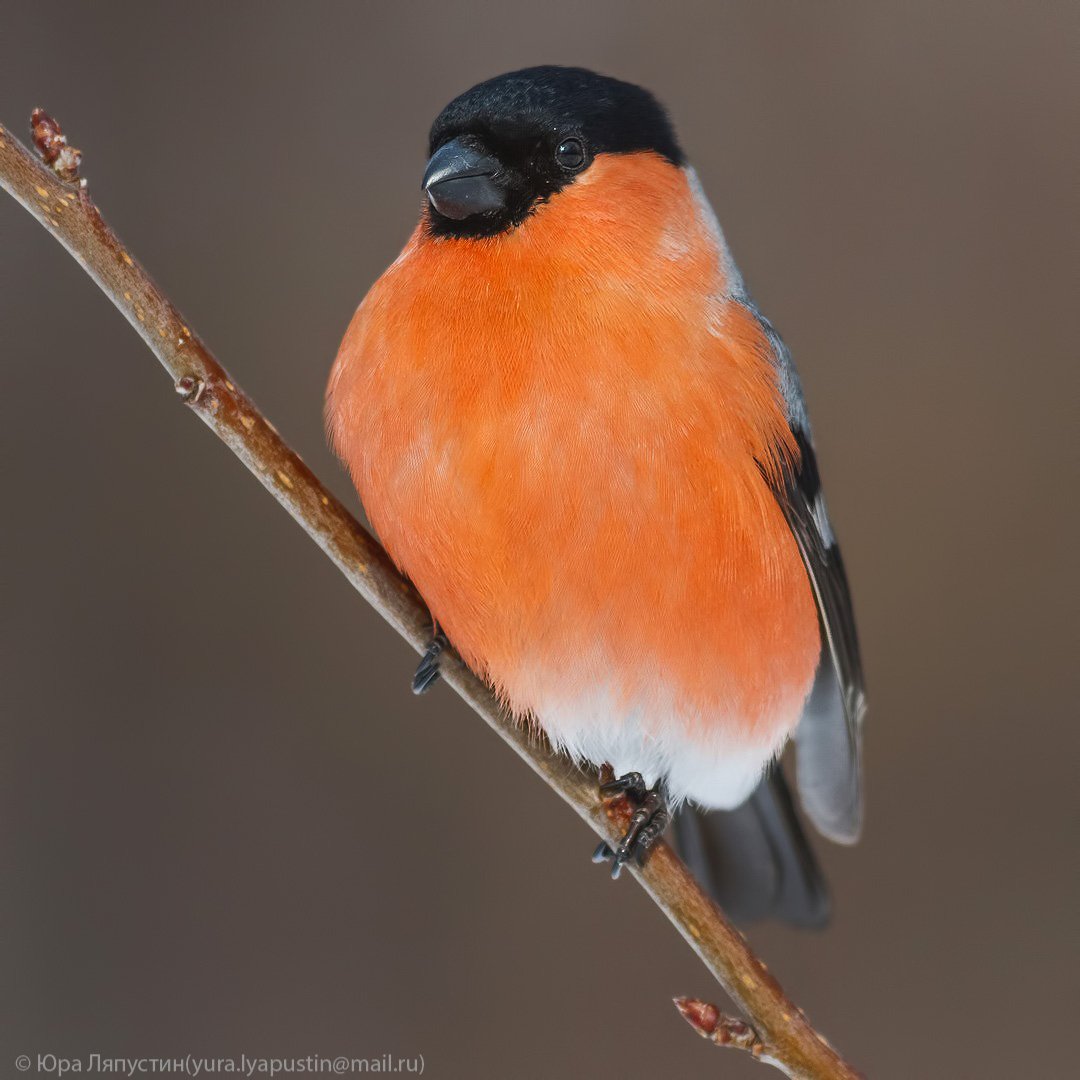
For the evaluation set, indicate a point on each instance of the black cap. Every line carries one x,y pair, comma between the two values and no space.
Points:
541,127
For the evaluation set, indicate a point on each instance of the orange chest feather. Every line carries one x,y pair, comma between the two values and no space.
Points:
557,434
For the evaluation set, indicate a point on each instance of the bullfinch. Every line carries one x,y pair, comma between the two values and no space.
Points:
576,434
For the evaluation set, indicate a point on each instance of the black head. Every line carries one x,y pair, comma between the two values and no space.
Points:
511,142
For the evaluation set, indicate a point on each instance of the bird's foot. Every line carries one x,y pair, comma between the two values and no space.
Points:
427,672
647,823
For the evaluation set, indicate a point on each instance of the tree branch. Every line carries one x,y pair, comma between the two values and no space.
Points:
776,1032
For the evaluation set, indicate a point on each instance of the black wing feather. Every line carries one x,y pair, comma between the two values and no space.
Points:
830,733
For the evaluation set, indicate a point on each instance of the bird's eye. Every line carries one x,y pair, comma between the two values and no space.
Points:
570,154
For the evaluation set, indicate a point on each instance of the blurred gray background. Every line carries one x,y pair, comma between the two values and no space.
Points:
228,827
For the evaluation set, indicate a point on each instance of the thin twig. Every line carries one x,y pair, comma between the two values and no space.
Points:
777,1031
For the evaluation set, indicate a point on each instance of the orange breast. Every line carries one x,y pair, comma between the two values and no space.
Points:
557,434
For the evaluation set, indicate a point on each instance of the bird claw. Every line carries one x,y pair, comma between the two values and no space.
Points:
647,823
632,785
427,671
603,852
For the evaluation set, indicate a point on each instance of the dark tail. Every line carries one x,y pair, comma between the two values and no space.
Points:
755,860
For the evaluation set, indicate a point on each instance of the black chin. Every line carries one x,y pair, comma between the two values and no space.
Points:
475,189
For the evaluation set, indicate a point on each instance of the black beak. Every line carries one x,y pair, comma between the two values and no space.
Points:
460,181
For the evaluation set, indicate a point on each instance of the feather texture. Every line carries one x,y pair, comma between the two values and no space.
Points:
569,436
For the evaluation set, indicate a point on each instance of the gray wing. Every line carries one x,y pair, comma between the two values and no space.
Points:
828,739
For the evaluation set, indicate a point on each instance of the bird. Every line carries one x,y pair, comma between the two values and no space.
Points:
574,431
